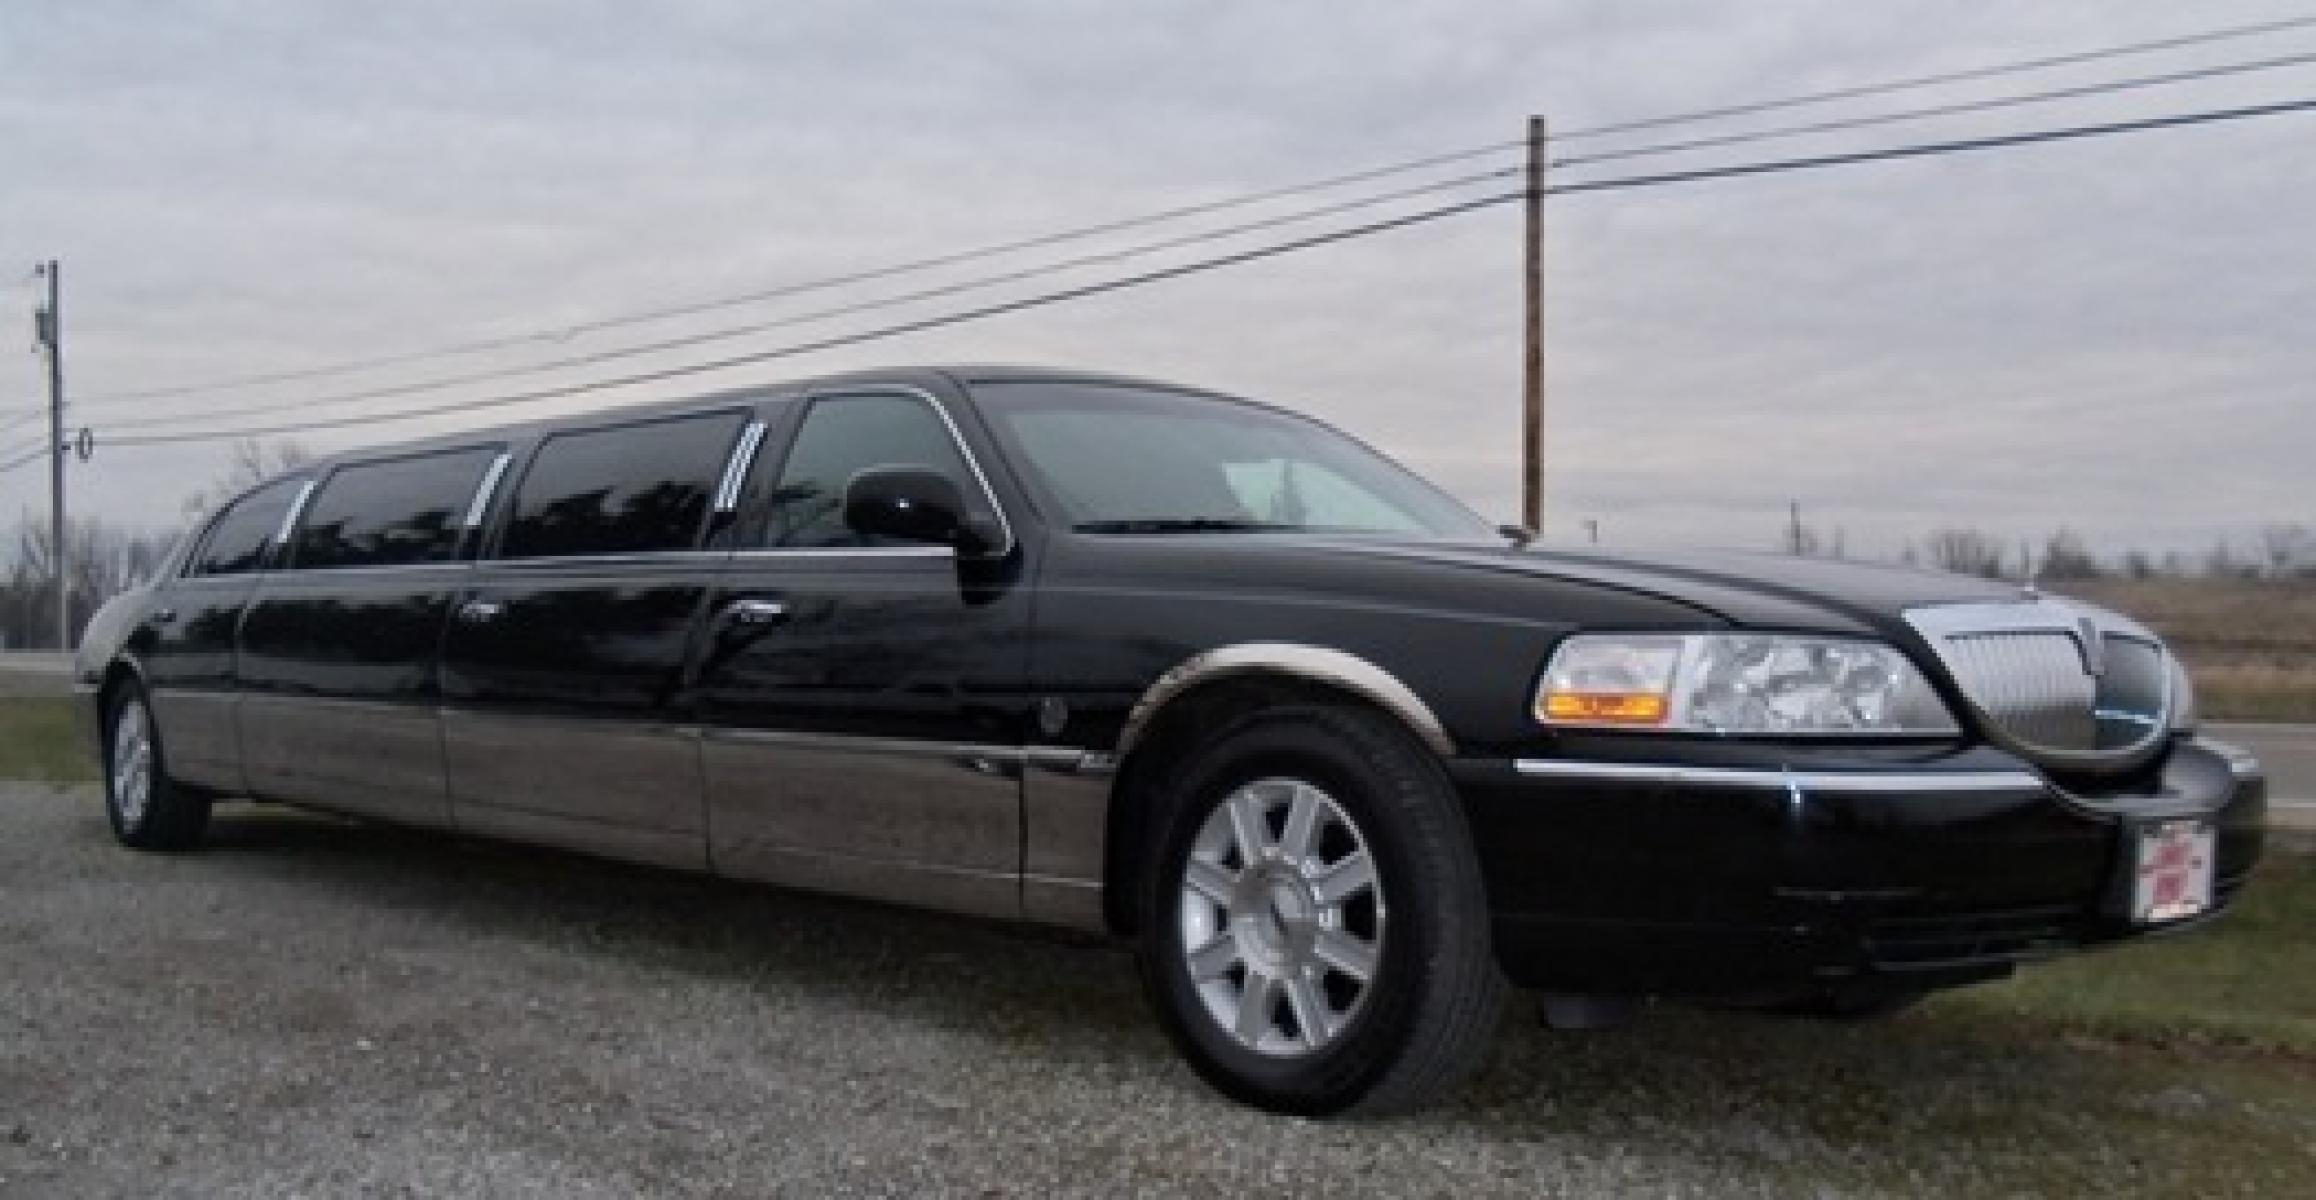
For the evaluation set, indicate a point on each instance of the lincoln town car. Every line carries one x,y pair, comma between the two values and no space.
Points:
1344,762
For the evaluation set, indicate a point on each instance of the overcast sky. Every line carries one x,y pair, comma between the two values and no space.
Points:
2116,335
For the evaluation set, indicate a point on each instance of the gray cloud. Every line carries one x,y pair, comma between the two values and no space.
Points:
2109,335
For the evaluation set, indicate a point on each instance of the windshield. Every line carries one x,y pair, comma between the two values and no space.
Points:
1123,459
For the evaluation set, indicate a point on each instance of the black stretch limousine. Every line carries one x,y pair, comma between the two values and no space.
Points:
1342,757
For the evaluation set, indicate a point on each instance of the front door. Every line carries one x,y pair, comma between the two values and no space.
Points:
564,660
861,700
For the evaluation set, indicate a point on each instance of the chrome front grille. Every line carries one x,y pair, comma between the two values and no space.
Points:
2068,685
2033,684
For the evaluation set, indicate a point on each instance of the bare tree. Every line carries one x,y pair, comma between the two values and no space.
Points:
2288,549
2066,557
1966,552
253,462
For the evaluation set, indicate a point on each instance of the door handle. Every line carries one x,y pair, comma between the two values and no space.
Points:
475,612
755,612
161,616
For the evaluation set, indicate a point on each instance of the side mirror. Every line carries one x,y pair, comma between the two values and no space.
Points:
916,504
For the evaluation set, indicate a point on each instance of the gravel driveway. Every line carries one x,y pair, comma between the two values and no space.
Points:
319,1008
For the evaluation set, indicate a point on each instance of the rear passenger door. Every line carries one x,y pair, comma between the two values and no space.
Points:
338,650
564,659
188,643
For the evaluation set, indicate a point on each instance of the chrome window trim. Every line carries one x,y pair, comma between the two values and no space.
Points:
956,436
727,497
1780,779
484,491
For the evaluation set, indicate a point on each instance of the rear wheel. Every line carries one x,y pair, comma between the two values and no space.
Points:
149,810
1316,936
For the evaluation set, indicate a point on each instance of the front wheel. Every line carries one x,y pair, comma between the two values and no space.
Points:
149,810
1316,935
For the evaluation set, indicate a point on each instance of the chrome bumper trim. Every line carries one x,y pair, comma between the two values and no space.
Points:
1879,782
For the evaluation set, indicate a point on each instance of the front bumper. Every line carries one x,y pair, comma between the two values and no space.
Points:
1765,873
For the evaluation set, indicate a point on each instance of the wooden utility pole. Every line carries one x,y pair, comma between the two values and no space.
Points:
50,326
1532,359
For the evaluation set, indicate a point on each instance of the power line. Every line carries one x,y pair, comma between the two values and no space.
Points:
2019,67
1929,149
826,283
979,283
1774,166
1042,300
1942,110
34,456
1208,207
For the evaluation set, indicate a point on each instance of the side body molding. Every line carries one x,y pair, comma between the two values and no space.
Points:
1315,663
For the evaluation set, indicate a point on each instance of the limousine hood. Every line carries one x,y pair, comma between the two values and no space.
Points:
1771,591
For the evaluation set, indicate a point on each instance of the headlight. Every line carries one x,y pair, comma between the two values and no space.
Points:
2183,714
1738,683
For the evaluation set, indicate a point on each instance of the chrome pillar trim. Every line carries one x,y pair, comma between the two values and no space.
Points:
297,508
1862,782
736,469
481,503
1315,663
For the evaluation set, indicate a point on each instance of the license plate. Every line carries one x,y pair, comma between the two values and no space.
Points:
2174,872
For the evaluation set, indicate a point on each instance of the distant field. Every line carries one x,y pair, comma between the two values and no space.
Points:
2250,644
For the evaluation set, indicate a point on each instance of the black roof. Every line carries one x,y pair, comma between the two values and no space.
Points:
937,377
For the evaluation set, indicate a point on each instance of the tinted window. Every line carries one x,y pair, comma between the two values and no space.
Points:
840,436
1123,459
409,510
237,542
621,491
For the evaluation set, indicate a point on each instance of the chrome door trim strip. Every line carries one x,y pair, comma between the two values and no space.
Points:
923,551
1778,779
484,491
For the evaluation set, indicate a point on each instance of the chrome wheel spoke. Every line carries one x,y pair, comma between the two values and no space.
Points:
1354,958
1256,1006
1211,880
1302,822
1249,830
1213,959
1310,1009
1342,879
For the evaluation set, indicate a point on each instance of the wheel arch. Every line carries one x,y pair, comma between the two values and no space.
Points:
1211,690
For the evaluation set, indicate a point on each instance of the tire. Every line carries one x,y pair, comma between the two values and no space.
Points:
148,809
1253,956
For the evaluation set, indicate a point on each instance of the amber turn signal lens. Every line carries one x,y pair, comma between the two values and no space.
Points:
1607,708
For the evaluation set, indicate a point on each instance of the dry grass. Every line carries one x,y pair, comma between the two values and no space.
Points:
2251,644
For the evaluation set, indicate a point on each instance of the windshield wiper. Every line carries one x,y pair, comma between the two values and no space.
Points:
1180,525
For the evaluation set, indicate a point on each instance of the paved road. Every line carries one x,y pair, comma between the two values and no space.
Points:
317,1008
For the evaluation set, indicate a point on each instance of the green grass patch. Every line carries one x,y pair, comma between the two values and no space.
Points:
2248,980
38,741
